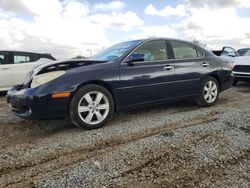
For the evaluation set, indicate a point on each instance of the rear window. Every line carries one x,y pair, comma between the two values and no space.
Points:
199,52
21,59
184,50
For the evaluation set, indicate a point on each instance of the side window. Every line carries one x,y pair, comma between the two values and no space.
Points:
184,51
248,53
21,58
2,58
199,52
34,57
153,50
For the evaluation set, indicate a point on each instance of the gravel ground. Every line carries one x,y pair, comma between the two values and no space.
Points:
173,145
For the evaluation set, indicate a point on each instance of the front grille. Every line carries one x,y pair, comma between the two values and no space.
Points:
242,68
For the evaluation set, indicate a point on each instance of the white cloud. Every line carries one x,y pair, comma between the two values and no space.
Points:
70,27
218,3
63,28
13,5
218,27
75,10
112,6
44,7
244,3
167,11
153,31
125,21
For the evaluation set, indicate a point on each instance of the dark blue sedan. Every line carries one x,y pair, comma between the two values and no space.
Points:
129,74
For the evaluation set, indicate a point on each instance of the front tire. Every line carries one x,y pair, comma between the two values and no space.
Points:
210,93
91,107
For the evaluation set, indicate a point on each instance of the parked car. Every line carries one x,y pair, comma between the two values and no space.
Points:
243,51
129,74
15,65
247,53
227,53
241,64
241,69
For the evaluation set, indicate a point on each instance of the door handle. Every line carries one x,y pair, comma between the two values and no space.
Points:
205,64
5,68
169,67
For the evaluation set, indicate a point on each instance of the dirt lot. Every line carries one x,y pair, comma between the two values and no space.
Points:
175,145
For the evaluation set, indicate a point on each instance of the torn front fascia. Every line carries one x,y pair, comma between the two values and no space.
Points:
65,65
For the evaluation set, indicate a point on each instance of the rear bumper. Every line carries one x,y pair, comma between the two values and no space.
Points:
28,104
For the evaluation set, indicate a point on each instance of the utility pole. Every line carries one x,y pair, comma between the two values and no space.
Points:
90,52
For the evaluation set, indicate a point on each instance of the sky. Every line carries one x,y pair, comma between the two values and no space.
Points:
67,28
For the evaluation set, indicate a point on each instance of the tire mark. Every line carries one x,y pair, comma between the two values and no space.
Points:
61,161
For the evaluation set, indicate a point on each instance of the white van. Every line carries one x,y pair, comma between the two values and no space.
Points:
14,66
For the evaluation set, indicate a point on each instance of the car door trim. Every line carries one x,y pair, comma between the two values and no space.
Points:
162,83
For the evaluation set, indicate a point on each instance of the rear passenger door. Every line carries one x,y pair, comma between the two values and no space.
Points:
5,72
23,63
191,67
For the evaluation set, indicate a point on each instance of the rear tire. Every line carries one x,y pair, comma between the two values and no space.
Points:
91,107
210,93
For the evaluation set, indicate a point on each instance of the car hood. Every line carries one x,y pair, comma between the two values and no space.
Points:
63,65
242,60
59,65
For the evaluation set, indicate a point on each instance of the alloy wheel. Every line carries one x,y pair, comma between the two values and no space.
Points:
93,107
210,91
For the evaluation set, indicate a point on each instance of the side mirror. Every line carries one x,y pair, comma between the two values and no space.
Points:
135,58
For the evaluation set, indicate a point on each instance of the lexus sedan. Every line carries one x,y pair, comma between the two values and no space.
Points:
129,74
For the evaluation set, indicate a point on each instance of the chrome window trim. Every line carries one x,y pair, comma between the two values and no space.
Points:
165,60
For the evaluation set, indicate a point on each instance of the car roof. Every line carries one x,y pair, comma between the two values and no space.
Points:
157,38
163,38
25,52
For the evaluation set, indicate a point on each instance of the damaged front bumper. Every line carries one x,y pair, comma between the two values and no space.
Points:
27,103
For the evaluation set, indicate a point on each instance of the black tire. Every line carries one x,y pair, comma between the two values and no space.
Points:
77,118
235,82
201,100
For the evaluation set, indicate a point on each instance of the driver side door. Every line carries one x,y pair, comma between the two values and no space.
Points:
150,80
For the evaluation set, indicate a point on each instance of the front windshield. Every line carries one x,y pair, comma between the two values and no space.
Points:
116,51
248,53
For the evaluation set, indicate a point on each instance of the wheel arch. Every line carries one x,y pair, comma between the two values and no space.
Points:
215,76
100,83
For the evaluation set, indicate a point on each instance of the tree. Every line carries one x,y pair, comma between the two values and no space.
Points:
79,57
199,43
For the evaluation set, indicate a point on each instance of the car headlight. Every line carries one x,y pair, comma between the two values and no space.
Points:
44,78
